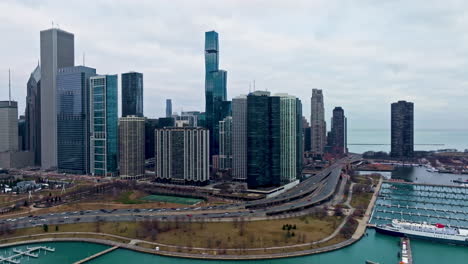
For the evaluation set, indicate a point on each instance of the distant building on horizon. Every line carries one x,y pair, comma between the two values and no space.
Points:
132,147
132,94
33,114
339,132
318,126
168,108
73,119
103,125
57,51
182,155
402,129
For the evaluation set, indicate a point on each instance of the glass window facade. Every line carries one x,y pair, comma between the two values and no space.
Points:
132,94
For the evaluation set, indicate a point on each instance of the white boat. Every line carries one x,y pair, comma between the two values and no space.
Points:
437,232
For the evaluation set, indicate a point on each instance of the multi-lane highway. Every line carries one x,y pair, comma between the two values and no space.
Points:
309,193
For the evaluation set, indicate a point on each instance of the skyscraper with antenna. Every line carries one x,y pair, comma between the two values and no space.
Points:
9,122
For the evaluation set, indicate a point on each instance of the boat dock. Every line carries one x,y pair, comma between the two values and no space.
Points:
97,255
406,255
29,252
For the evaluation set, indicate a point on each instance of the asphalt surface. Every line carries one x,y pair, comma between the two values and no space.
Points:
308,193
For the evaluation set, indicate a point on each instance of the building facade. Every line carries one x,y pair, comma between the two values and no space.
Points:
182,155
225,143
339,132
73,119
402,129
215,90
239,138
168,108
132,147
318,126
33,114
263,140
132,94
103,125
9,126
288,138
57,51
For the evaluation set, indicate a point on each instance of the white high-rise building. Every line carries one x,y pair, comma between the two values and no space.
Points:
318,126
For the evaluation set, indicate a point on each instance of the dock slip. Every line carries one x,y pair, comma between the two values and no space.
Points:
406,255
29,252
97,255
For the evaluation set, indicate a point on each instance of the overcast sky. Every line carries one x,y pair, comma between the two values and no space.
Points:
363,54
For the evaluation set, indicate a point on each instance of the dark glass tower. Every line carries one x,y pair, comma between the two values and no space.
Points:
132,94
215,90
33,114
168,108
263,140
402,129
338,131
73,119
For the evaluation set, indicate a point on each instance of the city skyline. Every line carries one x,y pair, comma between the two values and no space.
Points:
406,76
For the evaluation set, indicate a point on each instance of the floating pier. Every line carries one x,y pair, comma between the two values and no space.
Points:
29,252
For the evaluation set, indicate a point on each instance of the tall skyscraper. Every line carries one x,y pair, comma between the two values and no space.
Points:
215,90
9,126
73,119
318,126
57,51
307,136
182,155
103,125
33,114
132,94
168,108
263,140
225,143
402,129
339,131
288,138
132,147
239,138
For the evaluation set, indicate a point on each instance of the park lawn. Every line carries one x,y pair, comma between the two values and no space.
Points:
255,234
130,197
361,200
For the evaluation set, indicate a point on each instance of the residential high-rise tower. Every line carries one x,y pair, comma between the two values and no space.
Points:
339,132
132,147
402,122
318,127
103,125
239,138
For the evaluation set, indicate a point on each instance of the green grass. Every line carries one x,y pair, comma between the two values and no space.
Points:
171,199
126,199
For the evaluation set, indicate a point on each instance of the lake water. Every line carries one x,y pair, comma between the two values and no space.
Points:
453,139
419,175
375,247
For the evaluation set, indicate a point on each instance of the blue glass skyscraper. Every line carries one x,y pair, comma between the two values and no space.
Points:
73,119
215,90
103,125
132,94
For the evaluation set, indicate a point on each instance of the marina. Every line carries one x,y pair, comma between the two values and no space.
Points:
28,252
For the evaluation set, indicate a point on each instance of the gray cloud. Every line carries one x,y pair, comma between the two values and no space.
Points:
364,54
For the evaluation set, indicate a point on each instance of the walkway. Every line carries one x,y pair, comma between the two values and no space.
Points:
97,255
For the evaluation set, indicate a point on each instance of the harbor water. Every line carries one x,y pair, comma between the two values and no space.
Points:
375,247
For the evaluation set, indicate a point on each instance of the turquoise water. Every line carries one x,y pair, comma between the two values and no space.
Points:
375,247
65,252
457,139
